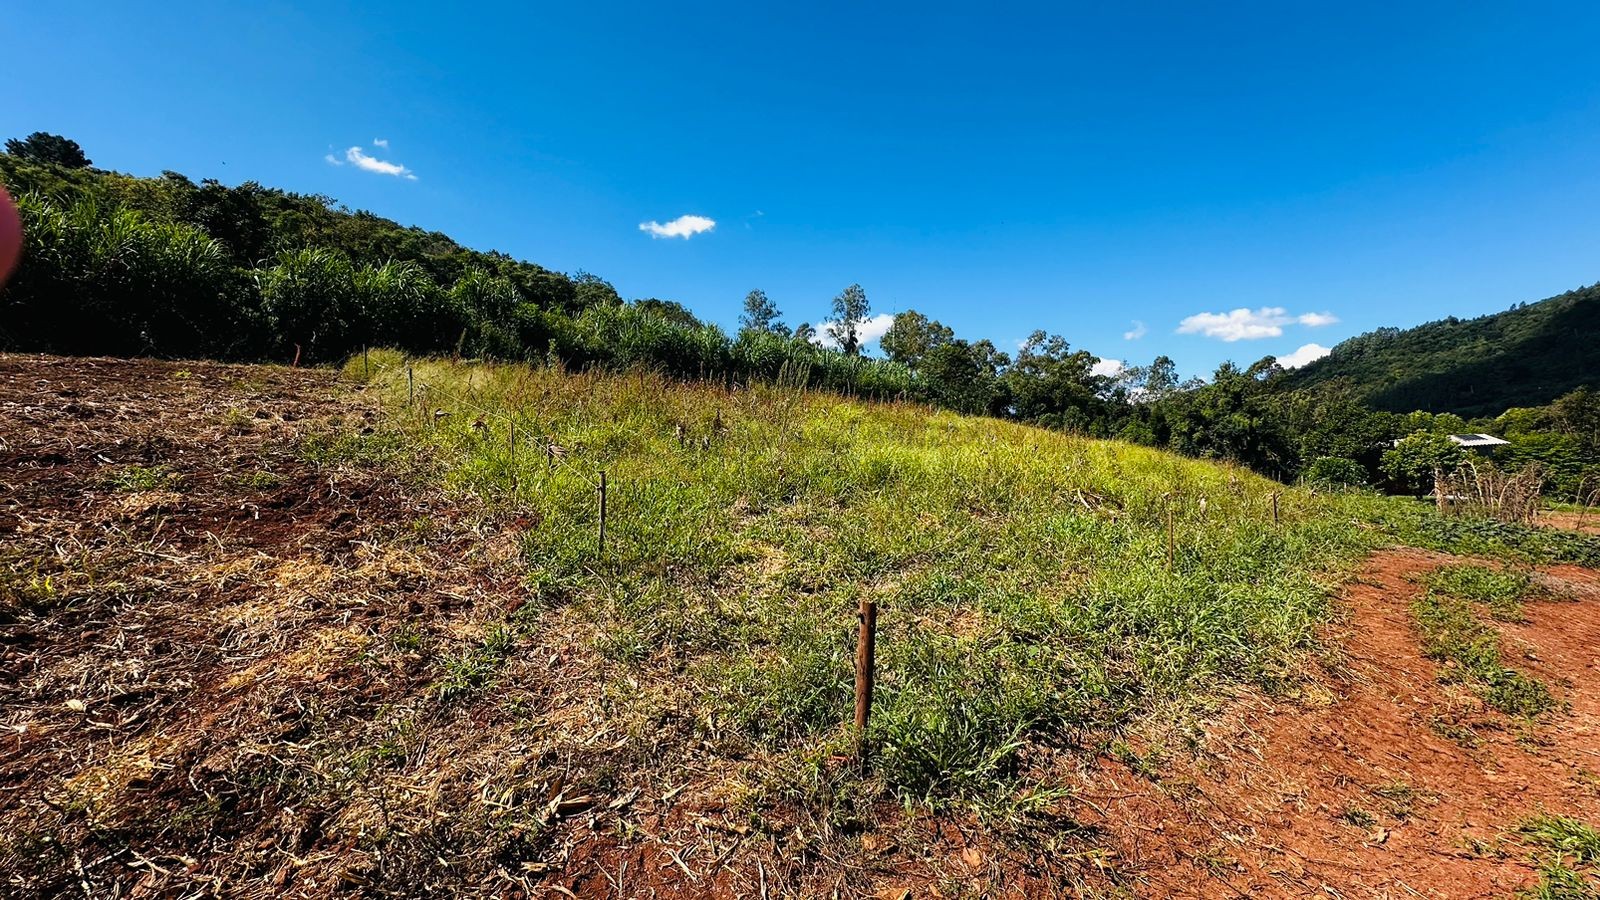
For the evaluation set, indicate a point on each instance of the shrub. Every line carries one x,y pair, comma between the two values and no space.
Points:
1336,471
1413,460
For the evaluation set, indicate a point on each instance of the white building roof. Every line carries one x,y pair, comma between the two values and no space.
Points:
1478,440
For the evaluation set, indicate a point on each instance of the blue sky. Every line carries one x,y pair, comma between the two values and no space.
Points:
1074,167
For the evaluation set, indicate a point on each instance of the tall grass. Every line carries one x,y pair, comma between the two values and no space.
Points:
1022,575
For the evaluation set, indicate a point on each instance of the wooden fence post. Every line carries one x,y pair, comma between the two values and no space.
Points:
866,651
366,361
602,512
1171,534
411,387
511,442
1274,509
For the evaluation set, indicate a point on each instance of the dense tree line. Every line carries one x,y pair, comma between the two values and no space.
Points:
164,266
1524,356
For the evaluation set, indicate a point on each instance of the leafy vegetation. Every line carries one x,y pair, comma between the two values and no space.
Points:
1502,591
1574,847
1525,356
1416,524
1470,653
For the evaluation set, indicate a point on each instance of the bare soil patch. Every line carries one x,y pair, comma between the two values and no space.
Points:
1390,784
1585,522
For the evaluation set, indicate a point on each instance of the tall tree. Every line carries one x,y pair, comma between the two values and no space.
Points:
849,309
44,147
912,336
1053,385
760,313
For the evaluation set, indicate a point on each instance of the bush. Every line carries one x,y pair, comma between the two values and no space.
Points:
1410,464
1336,471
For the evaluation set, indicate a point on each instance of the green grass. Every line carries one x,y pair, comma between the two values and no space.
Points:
1501,590
1574,847
145,478
1021,575
1469,652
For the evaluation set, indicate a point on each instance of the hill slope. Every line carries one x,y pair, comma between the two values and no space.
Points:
1526,356
310,634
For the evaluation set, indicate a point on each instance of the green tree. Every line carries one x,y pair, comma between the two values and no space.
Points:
963,376
671,310
592,290
1336,471
760,313
1578,414
43,147
1412,461
912,336
849,309
1053,385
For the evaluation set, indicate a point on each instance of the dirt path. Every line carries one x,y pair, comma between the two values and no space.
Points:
1585,522
1390,786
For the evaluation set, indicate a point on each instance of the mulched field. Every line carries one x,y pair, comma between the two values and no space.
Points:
202,631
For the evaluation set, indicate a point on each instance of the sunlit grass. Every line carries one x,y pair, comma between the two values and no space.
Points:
1022,575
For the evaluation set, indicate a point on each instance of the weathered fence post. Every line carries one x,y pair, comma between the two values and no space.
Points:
366,361
1171,534
1274,509
411,387
511,443
602,512
866,650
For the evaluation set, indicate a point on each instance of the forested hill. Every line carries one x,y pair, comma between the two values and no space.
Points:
1526,356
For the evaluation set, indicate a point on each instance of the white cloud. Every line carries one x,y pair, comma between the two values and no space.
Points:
1307,353
359,158
683,226
1138,331
333,160
1110,368
1251,324
381,142
867,330
1241,324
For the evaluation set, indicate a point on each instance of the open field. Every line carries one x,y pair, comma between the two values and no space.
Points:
271,631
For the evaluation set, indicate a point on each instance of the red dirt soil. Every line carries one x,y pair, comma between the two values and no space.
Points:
1587,522
1363,795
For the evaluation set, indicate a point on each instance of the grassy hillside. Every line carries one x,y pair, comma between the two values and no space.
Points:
299,633
1526,356
1027,604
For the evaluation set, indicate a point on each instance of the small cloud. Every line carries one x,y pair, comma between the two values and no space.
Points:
381,142
333,160
1250,324
358,158
1137,331
1306,354
683,226
1239,325
867,331
1110,368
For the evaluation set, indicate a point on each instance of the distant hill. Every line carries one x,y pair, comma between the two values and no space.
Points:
1526,356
